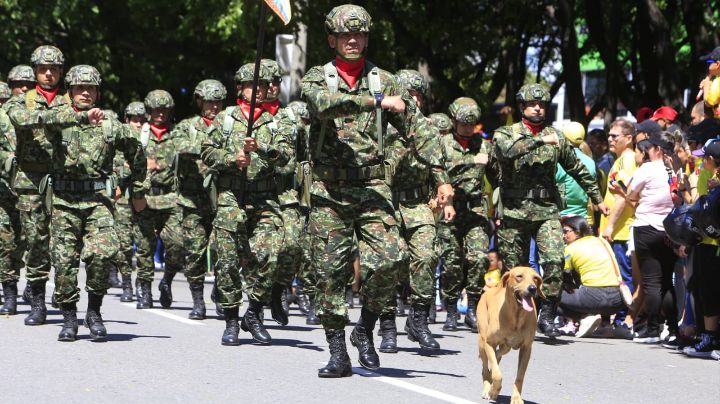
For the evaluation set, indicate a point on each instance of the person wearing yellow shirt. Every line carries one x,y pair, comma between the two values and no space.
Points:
593,260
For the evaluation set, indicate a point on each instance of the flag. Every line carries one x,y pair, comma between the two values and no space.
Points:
281,8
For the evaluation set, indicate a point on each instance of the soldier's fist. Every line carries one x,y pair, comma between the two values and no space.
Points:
95,116
242,159
393,103
445,194
250,144
551,139
139,204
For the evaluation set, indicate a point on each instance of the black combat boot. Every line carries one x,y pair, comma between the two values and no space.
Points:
312,318
38,310
10,291
218,307
93,319
388,332
349,298
432,315
165,288
339,363
232,329
27,293
546,319
399,305
277,309
417,329
144,291
302,300
198,310
252,323
452,314
69,330
127,289
362,338
113,277
470,315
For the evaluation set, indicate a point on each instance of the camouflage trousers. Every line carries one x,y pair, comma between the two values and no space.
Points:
371,217
125,230
35,224
86,234
151,224
514,244
306,272
290,256
11,242
266,233
196,225
230,247
463,245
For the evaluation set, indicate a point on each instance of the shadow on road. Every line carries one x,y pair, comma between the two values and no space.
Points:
400,373
506,399
553,341
122,337
431,353
291,327
285,342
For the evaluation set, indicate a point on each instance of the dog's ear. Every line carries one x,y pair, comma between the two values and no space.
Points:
505,279
538,282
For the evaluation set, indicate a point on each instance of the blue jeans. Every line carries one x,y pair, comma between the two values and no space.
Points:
620,248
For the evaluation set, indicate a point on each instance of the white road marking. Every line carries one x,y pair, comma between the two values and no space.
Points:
409,386
165,314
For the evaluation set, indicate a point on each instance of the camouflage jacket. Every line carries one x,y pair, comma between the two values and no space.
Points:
7,155
468,169
219,151
162,180
188,136
288,126
36,121
86,152
527,164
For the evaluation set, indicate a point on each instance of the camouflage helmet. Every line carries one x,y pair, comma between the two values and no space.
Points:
159,99
5,91
530,92
413,80
211,90
135,108
299,108
348,18
441,121
83,75
464,110
47,55
246,71
21,73
273,67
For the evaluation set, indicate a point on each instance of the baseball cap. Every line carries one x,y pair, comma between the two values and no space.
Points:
658,140
711,149
667,113
714,55
643,113
648,126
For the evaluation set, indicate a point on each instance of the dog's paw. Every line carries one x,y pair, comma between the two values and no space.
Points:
516,399
494,391
486,390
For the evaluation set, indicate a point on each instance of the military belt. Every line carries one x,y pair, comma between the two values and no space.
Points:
334,174
60,185
468,204
411,194
159,190
261,186
534,193
29,167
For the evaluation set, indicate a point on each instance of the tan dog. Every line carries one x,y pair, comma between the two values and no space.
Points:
507,319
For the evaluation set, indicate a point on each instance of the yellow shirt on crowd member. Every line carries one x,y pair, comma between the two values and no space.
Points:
592,258
492,278
622,170
702,188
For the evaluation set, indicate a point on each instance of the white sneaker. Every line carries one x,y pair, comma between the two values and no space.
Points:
588,325
715,355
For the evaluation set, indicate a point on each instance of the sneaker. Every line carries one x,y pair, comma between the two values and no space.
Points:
715,354
646,336
588,324
677,342
703,349
605,331
568,329
622,331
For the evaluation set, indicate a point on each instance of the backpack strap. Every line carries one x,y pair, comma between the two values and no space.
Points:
107,129
30,98
228,121
331,77
193,133
145,135
376,89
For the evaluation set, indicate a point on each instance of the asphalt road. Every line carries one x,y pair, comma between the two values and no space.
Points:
160,356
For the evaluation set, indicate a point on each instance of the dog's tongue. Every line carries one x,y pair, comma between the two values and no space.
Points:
527,303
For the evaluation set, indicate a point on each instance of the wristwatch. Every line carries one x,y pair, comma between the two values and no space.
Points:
379,97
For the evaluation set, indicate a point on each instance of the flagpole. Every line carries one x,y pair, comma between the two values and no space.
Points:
258,56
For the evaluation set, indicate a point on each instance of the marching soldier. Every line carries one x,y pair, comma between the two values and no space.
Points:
20,79
11,248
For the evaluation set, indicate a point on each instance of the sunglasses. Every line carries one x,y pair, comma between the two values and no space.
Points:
711,61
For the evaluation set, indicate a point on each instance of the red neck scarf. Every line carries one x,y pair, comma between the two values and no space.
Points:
48,94
158,130
207,121
464,141
534,128
272,107
350,71
245,108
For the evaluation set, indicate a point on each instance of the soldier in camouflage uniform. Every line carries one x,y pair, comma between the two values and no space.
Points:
27,113
463,242
162,218
11,248
195,207
441,122
20,79
124,227
528,152
228,152
5,93
351,102
83,190
420,167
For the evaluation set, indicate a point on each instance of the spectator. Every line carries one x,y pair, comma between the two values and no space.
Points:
643,114
665,117
597,140
646,129
615,228
576,200
599,294
699,113
649,192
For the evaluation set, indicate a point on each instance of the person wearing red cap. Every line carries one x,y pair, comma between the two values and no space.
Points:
664,116
643,114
